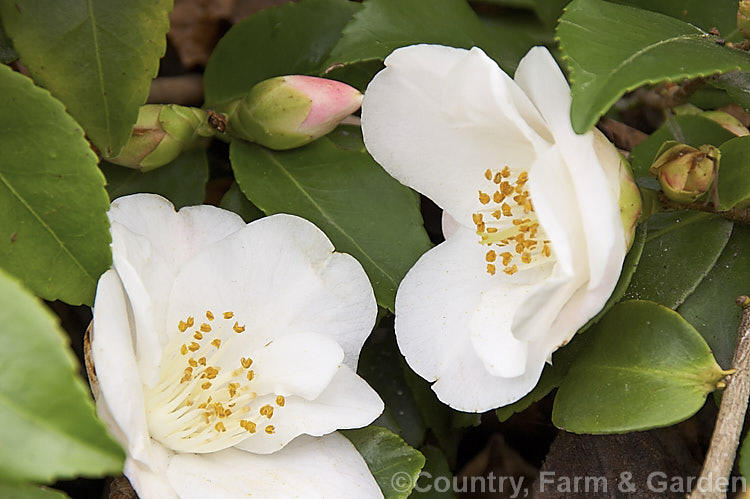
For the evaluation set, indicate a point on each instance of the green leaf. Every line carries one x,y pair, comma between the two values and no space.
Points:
234,200
98,57
737,86
711,308
553,374
54,232
436,472
611,49
692,130
734,182
48,426
291,39
681,248
362,209
549,11
642,367
25,491
183,181
385,25
720,14
392,462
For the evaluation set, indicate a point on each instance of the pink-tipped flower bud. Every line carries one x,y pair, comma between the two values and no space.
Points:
291,111
160,134
684,172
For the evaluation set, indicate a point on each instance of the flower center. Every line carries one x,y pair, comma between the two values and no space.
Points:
199,407
508,225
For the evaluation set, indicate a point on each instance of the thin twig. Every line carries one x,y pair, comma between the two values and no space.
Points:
726,437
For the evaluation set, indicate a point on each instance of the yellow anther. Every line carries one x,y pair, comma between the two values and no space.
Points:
497,214
267,411
270,429
506,188
528,206
198,335
519,188
228,315
209,315
202,361
205,328
506,210
183,350
211,372
182,326
526,257
477,218
491,269
510,270
520,248
232,387
194,347
523,177
250,375
498,197
488,174
545,250
237,328
206,417
491,256
484,198
491,230
216,342
520,200
192,362
280,401
507,257
206,385
249,426
480,227
506,172
220,426
190,321
186,377
246,362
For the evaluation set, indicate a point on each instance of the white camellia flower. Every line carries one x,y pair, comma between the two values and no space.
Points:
222,351
534,234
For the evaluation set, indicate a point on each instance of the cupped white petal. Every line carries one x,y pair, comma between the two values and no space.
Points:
437,118
325,467
150,242
149,478
347,402
116,369
596,183
278,276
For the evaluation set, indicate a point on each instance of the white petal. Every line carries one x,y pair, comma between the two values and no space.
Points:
116,370
435,304
348,402
150,242
279,276
540,77
328,467
296,364
437,118
150,479
448,224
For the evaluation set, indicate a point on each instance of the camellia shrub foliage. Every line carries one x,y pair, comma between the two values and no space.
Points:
392,223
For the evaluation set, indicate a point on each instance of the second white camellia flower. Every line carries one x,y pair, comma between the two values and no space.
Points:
535,237
221,349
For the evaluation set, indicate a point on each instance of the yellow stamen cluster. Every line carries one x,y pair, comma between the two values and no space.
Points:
198,402
507,222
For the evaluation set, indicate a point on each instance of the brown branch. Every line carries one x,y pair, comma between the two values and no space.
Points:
726,437
623,136
734,214
185,90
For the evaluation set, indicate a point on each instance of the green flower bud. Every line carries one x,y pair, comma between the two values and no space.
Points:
743,18
160,134
684,172
291,111
727,121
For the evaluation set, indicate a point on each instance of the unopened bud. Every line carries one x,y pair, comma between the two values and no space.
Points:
684,172
743,18
727,121
291,111
160,134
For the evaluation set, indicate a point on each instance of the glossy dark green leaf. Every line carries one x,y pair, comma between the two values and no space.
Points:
54,232
25,491
687,129
734,181
642,367
392,462
611,49
48,427
681,248
385,25
711,308
362,209
737,86
291,39
98,58
183,181
234,200
434,476
549,11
